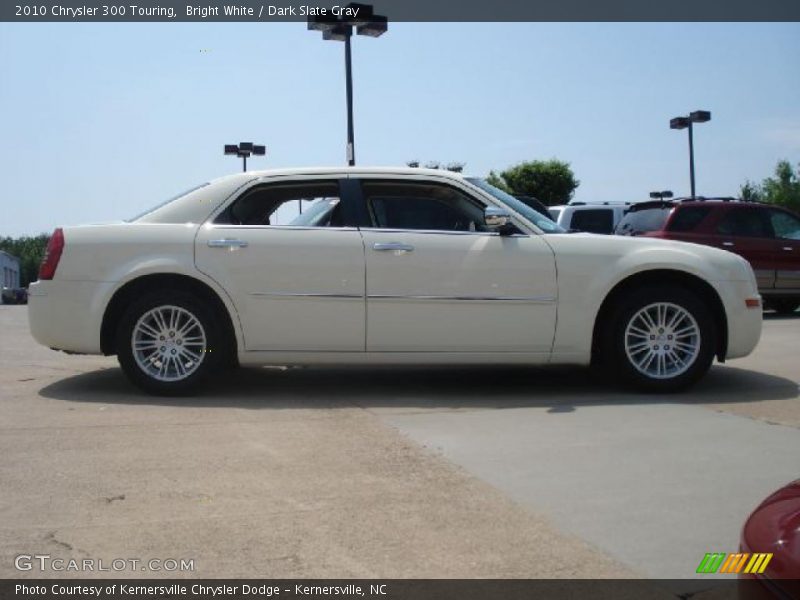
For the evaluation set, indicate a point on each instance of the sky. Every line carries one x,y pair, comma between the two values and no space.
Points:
102,120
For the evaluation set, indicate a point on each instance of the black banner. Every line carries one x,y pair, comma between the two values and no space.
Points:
403,10
374,589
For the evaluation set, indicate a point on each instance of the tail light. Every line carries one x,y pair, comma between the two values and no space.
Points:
52,255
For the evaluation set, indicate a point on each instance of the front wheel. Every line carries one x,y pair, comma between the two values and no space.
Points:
165,343
662,339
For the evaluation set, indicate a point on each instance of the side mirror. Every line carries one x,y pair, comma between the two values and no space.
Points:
496,218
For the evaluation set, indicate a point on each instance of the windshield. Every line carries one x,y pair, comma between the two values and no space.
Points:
167,201
526,211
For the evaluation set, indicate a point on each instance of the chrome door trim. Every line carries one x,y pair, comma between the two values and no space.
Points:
305,295
527,299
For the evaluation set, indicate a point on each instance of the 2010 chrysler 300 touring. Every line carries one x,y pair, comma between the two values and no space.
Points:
383,266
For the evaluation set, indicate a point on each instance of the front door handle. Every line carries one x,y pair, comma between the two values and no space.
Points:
728,244
788,248
392,246
227,243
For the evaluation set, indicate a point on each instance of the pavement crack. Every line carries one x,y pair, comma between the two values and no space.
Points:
51,537
111,499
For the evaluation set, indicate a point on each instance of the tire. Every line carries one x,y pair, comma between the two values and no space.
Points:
164,364
784,306
642,335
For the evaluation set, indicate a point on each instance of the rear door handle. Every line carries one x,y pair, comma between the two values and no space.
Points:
728,244
788,248
392,246
227,243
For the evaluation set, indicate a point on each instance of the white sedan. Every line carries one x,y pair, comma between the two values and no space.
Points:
383,266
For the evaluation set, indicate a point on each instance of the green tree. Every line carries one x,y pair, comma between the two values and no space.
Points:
29,250
783,189
550,181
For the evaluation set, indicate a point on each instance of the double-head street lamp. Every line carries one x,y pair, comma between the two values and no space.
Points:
340,29
698,116
243,150
661,195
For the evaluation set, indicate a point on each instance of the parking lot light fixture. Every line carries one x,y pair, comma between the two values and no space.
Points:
243,150
697,116
340,29
661,195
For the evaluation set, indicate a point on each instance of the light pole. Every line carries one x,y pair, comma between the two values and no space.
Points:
661,195
698,116
243,150
340,29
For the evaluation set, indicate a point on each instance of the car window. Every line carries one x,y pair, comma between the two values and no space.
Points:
786,226
636,222
541,221
745,222
687,218
421,206
314,204
594,220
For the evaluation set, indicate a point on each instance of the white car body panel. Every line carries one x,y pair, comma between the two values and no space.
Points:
324,296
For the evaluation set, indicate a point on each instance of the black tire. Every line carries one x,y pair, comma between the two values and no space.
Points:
784,306
633,303
212,353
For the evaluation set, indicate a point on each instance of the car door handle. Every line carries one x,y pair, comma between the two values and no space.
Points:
728,244
392,246
227,243
788,248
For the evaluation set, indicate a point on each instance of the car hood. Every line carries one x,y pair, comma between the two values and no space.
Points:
714,263
775,527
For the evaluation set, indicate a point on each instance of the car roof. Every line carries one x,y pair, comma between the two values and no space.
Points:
344,170
697,201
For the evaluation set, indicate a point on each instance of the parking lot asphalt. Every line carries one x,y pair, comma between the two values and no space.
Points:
487,472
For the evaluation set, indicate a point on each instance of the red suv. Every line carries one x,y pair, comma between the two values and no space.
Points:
768,236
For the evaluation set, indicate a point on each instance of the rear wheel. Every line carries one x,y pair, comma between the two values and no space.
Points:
165,343
661,339
784,306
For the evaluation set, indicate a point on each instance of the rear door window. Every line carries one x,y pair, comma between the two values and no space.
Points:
599,220
745,222
637,222
687,218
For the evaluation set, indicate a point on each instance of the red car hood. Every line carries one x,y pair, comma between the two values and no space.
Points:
775,527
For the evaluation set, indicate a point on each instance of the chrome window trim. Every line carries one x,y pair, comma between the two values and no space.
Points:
442,232
291,227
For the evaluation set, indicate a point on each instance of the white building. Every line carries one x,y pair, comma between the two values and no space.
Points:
9,270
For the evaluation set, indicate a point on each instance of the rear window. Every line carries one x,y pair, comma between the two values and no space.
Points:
687,218
598,220
637,222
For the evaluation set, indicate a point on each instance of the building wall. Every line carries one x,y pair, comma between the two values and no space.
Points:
9,270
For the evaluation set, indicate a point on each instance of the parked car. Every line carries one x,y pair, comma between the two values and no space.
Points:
767,236
383,266
593,218
14,296
774,527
